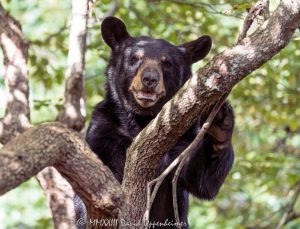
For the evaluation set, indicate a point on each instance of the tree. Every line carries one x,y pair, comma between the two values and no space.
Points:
211,84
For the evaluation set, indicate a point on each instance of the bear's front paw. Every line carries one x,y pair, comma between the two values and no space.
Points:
221,128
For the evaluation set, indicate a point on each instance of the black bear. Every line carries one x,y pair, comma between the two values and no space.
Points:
143,73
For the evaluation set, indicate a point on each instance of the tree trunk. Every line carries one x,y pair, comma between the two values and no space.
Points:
73,110
59,195
15,52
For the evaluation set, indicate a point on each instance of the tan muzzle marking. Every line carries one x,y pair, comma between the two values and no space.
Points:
137,87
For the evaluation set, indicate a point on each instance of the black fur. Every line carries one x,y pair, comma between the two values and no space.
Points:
119,118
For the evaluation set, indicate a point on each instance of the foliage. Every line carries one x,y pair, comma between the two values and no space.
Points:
25,207
266,103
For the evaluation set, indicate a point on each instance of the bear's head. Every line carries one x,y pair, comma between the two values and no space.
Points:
143,72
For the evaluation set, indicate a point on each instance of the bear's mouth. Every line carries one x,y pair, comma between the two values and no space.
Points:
145,98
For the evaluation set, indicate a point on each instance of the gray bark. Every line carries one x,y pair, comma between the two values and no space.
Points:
73,111
15,52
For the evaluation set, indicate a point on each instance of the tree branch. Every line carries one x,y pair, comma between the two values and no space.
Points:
292,216
208,7
261,7
49,37
54,145
73,111
59,195
289,215
113,9
198,95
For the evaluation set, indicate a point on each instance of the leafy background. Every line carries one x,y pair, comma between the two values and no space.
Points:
266,103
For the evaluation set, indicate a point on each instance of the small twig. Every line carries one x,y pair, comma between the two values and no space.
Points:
209,8
261,7
140,17
115,5
288,213
157,182
113,9
180,159
187,152
292,216
49,37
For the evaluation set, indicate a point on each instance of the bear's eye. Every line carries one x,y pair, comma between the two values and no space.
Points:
134,59
167,63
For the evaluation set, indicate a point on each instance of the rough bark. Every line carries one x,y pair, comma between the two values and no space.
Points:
261,7
197,96
15,52
59,195
73,111
54,145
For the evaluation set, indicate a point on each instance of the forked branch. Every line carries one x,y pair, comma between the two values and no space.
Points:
255,12
54,145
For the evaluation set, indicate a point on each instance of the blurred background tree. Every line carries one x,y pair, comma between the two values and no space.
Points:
266,173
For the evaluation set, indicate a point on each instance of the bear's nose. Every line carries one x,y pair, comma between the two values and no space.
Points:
150,77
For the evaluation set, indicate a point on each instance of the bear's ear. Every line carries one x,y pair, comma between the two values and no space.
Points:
196,50
113,31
